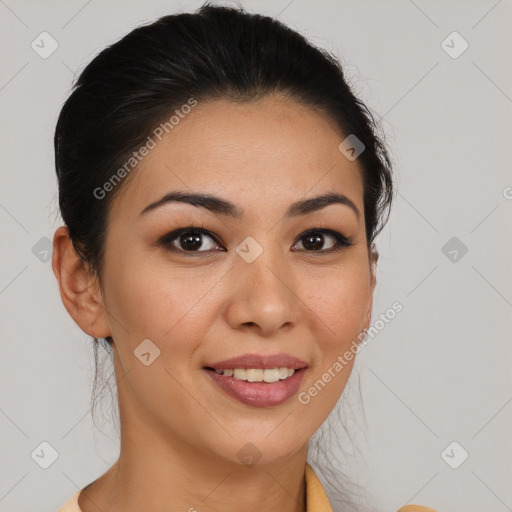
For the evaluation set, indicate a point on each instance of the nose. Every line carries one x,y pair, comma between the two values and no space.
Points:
263,295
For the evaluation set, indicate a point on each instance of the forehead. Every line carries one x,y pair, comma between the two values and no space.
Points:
266,153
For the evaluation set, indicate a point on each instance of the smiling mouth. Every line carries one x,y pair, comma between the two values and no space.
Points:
257,387
268,375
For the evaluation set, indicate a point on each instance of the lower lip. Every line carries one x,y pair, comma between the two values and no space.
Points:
259,394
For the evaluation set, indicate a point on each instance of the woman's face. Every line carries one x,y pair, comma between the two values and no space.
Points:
251,283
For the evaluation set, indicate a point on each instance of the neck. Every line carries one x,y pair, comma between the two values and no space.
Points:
156,472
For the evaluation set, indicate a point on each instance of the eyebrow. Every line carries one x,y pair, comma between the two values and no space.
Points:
226,208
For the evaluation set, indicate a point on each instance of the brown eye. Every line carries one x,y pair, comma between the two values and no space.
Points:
194,240
314,240
189,240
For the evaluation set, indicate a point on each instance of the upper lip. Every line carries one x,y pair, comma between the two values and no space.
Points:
246,361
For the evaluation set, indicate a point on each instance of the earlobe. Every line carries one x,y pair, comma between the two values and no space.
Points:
78,288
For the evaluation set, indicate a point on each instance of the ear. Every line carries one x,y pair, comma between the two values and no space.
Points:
373,258
79,288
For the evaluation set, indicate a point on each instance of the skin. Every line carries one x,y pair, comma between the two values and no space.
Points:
180,433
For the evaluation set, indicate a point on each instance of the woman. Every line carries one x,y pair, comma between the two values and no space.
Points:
221,189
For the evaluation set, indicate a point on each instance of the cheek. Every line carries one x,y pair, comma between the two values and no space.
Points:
151,298
338,306
338,300
156,299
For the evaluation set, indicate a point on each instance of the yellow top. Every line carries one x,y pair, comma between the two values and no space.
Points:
316,498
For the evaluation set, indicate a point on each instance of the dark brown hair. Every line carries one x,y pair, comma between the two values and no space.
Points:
216,52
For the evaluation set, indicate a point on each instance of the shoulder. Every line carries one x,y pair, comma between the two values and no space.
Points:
316,497
71,505
416,508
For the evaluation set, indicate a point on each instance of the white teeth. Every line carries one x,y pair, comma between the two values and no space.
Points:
271,375
239,374
253,375
268,375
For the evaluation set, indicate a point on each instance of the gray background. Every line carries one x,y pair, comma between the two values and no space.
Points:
439,372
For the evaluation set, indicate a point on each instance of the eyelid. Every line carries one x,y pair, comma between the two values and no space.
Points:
172,235
342,240
165,241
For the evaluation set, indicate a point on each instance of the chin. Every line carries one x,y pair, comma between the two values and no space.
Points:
261,449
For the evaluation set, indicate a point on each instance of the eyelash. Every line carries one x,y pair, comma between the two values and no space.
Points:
165,241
